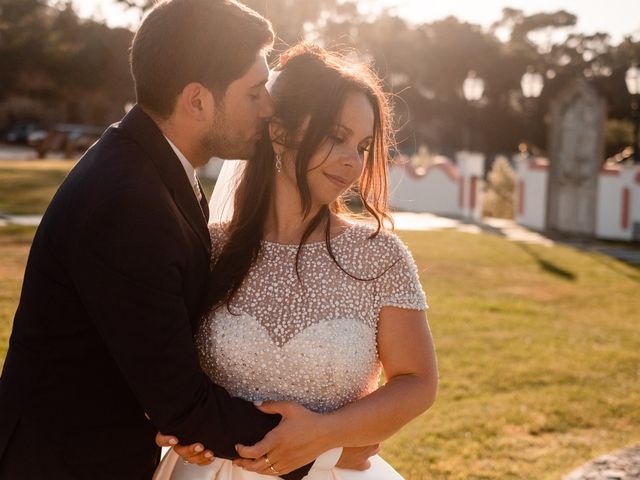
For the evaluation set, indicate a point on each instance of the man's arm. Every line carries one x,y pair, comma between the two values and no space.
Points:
127,267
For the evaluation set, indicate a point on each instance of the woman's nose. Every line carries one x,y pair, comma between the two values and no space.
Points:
353,158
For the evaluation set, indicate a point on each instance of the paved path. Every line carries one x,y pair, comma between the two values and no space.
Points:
17,152
428,221
22,153
403,221
506,228
22,220
620,465
510,230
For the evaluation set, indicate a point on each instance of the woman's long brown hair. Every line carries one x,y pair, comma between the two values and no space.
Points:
312,84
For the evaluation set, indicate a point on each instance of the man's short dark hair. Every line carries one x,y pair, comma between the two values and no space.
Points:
213,42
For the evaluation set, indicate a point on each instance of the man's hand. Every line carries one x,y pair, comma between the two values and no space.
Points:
298,440
357,458
195,453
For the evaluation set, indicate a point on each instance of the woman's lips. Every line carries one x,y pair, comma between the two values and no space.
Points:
339,181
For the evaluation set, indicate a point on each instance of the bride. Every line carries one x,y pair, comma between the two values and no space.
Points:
304,303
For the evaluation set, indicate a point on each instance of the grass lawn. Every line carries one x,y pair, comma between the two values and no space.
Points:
539,356
14,247
26,187
539,348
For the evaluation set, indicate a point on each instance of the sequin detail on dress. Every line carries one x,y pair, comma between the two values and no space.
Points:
312,342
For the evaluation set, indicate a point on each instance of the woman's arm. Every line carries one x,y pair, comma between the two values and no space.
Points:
407,354
408,357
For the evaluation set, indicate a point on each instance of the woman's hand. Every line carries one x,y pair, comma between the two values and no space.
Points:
298,440
195,453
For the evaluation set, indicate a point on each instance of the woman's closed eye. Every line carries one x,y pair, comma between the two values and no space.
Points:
336,138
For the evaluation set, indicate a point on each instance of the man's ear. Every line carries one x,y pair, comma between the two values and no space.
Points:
196,101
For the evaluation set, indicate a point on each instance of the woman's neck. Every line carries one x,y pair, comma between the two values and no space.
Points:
286,222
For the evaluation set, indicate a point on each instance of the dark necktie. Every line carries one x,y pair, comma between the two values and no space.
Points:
204,205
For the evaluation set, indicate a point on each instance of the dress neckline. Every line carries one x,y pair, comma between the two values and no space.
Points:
342,234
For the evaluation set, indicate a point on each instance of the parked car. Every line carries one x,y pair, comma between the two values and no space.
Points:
19,132
37,136
69,138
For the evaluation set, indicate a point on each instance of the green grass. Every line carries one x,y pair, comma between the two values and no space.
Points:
539,357
26,187
14,247
539,350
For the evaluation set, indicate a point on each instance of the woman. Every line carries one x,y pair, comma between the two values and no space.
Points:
304,305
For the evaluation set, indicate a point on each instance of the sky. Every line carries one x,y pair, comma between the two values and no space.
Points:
616,17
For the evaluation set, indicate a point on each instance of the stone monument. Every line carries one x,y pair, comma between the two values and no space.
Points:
576,156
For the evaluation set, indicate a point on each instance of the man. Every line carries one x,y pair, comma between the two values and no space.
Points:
101,355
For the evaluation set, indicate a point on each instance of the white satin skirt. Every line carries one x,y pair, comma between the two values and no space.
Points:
172,468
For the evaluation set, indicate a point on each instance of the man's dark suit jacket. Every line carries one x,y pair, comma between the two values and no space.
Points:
104,329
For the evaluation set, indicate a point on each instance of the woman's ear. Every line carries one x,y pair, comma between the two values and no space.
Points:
277,134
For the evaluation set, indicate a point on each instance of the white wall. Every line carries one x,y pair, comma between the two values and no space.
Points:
530,196
435,191
471,167
613,220
634,219
443,189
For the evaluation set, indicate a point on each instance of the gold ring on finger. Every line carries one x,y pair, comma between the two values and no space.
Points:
270,465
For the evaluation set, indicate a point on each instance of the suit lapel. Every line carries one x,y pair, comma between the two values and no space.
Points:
146,133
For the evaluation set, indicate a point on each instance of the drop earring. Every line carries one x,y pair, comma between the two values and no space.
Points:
278,163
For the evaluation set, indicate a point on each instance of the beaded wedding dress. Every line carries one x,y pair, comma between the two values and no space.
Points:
310,338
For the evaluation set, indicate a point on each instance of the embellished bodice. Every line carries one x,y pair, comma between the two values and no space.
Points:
309,336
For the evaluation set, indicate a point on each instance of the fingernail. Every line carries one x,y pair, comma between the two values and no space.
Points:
198,448
237,447
208,455
257,403
173,441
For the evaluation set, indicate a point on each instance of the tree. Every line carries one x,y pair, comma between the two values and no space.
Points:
77,69
69,69
23,31
289,17
500,186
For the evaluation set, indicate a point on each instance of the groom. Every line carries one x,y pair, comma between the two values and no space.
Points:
101,355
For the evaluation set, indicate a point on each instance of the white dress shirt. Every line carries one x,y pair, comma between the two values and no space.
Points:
189,170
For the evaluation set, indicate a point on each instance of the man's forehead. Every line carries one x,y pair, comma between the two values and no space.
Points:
258,73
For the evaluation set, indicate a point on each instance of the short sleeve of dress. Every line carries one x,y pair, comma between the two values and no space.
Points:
399,286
